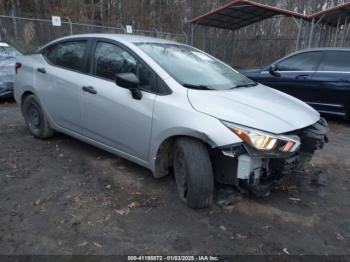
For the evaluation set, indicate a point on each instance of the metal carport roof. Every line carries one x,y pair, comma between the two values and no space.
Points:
241,13
334,16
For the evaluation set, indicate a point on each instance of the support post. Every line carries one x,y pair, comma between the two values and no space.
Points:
192,33
299,25
344,32
347,33
311,32
336,33
157,32
14,23
186,38
123,28
70,25
320,31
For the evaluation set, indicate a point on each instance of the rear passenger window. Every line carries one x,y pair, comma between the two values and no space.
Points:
336,61
68,55
110,60
300,62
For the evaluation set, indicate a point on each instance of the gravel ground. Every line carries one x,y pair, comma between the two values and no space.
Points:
62,196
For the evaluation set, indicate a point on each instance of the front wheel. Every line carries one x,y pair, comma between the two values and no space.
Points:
193,172
35,118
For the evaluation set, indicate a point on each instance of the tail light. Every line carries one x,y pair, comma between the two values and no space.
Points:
18,66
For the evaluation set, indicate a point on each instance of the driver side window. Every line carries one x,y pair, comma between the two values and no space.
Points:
300,62
110,59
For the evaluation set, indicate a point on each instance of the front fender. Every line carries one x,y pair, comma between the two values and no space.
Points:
186,122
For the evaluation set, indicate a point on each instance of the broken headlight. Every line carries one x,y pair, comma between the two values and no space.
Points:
264,141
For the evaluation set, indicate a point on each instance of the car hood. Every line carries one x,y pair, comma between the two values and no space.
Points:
259,107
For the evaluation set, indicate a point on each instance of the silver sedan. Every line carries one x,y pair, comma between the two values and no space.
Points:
169,107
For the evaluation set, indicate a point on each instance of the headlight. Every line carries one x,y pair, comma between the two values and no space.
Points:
265,141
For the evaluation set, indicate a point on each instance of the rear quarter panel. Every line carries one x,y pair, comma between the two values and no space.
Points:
25,77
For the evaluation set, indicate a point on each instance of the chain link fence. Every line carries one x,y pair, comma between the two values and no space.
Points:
238,50
244,53
28,34
254,51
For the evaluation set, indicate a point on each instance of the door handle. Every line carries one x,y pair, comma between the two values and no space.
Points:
302,77
90,89
41,70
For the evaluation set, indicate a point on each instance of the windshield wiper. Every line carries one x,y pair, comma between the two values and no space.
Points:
246,85
198,87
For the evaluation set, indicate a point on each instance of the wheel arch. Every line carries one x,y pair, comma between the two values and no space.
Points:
162,158
26,94
21,93
31,91
23,96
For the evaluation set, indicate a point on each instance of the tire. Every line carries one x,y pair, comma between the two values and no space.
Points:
35,118
193,172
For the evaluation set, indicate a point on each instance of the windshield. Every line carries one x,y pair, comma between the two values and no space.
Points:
193,68
6,50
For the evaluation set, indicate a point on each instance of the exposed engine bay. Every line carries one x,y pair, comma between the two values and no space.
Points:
258,172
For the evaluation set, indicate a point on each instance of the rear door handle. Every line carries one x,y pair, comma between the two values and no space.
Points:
302,77
41,70
90,89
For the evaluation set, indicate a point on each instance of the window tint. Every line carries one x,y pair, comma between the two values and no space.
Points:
69,55
336,61
300,62
110,60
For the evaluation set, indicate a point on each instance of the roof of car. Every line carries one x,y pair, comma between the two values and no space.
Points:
324,49
312,49
124,37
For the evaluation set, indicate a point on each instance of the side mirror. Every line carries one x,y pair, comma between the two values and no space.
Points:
129,81
273,71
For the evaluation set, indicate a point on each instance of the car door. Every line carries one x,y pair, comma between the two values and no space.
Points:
333,77
109,113
58,81
296,75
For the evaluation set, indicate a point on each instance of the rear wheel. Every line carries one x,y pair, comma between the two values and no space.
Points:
35,118
193,172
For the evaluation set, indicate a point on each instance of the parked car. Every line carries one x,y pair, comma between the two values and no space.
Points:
7,69
168,107
319,77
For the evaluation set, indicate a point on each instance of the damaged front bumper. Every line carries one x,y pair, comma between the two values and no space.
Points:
259,171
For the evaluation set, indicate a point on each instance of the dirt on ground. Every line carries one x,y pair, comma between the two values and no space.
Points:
62,196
